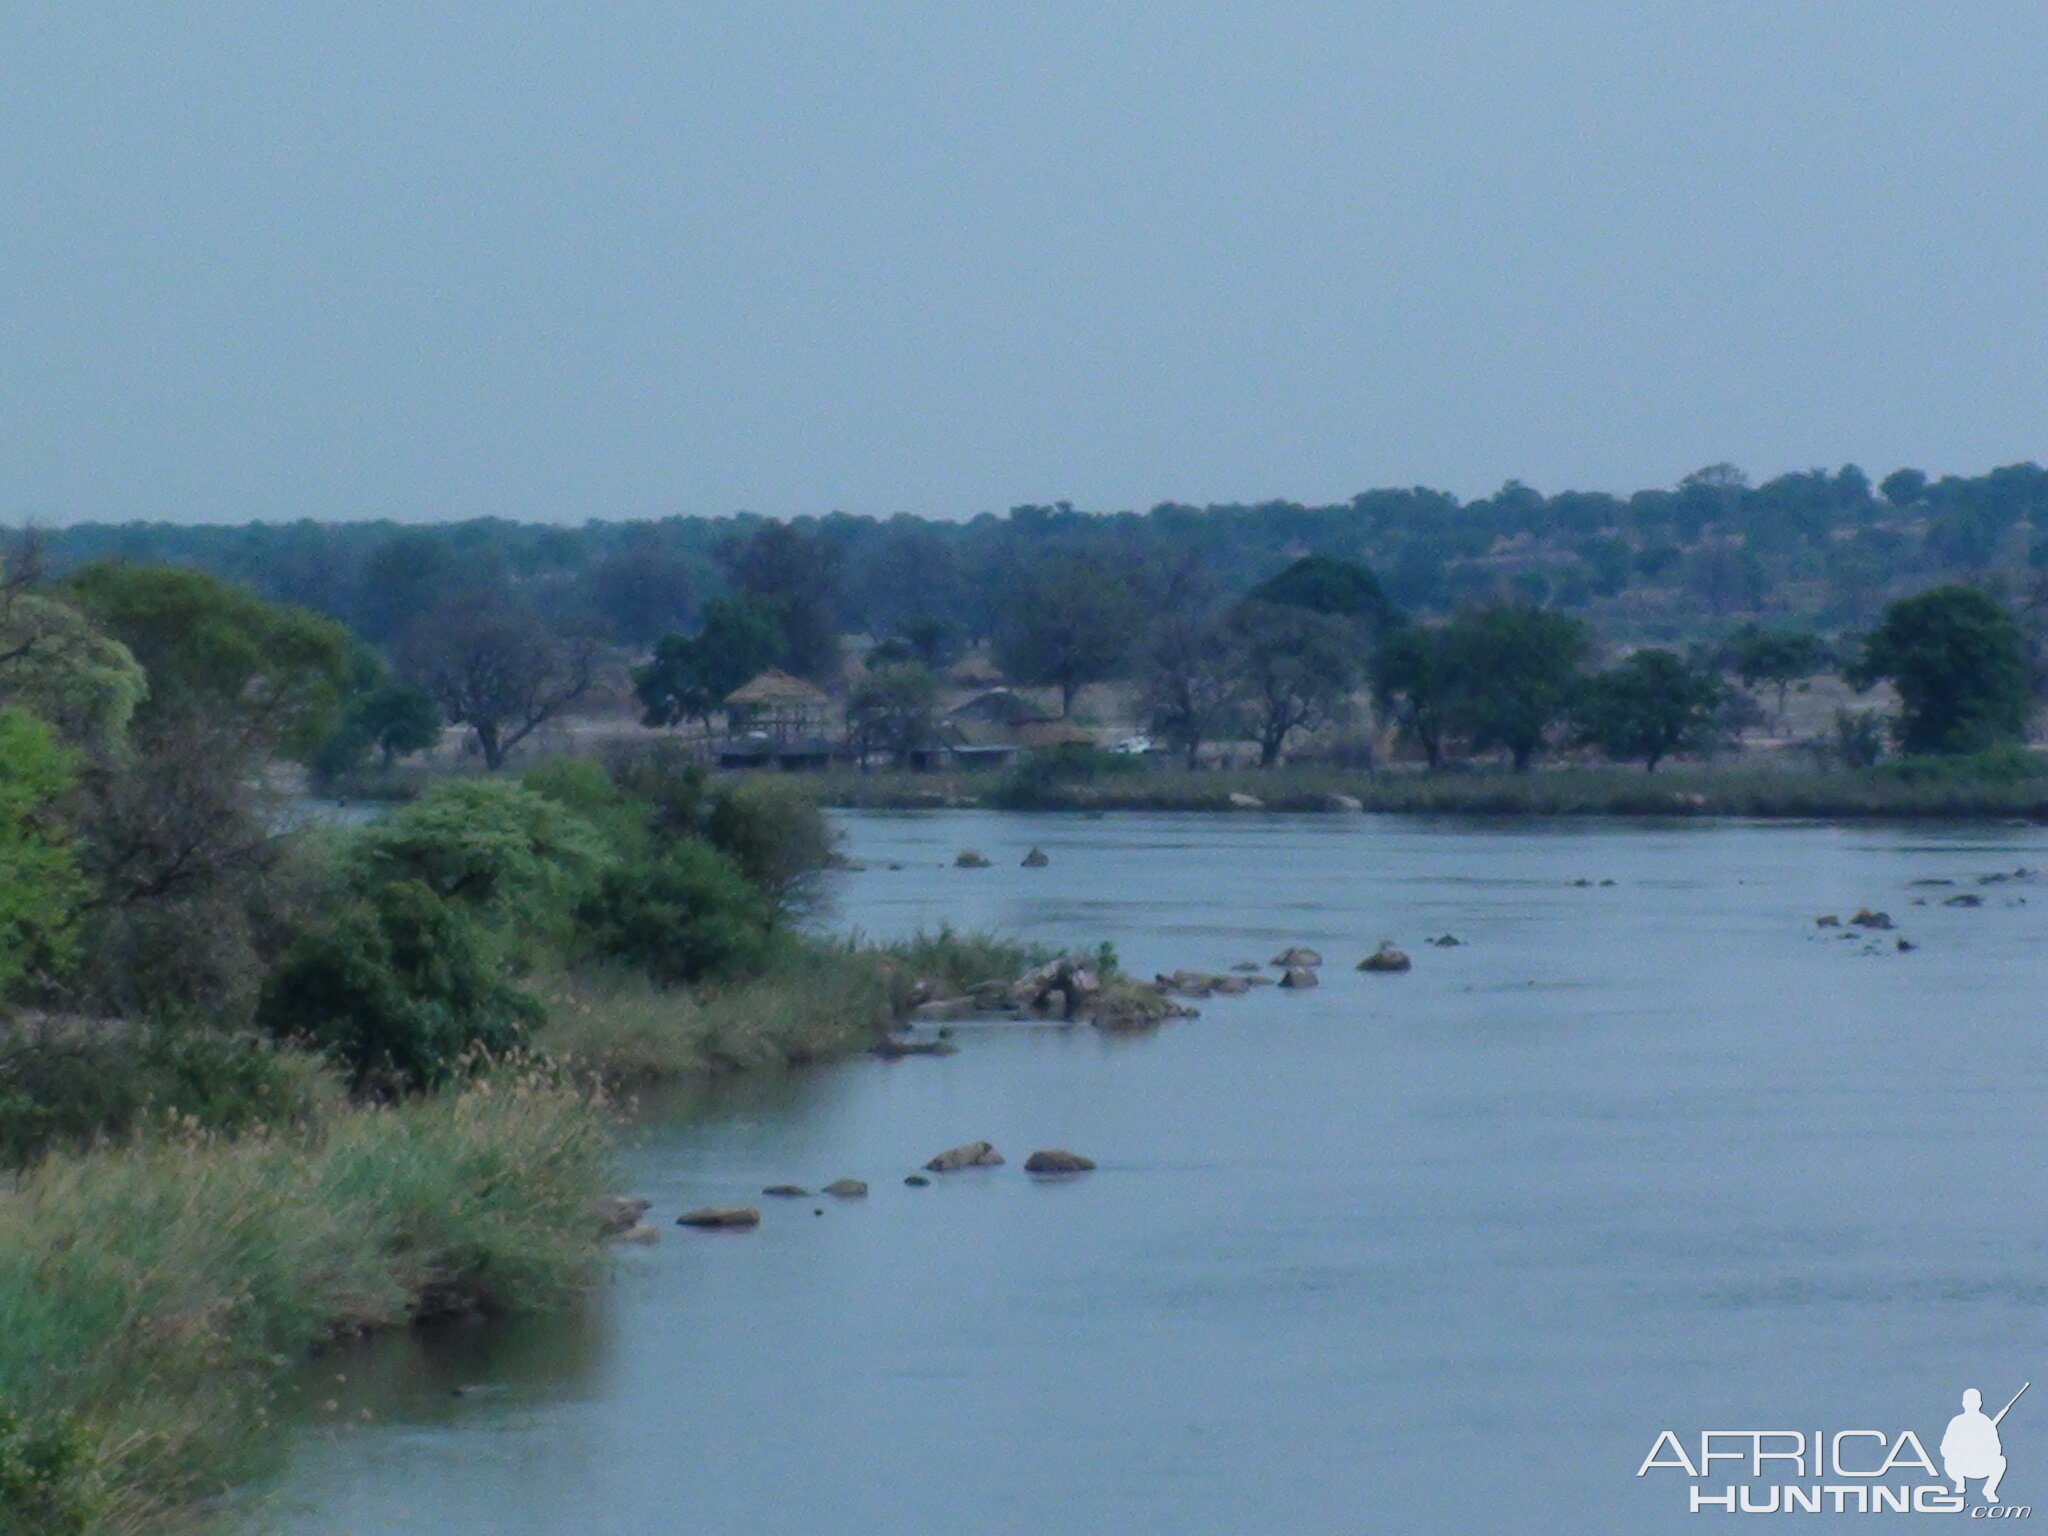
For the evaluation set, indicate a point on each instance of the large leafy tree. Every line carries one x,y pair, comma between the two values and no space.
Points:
1069,624
1649,707
266,679
1516,667
797,574
892,708
1414,683
1192,675
691,675
1297,670
1336,588
1959,662
494,665
1777,658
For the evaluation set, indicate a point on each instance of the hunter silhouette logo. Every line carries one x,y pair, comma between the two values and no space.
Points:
1849,1471
1971,1448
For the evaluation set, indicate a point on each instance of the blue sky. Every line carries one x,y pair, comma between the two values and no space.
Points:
625,260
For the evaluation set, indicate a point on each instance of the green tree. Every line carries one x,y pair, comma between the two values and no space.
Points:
1414,683
1649,707
1339,589
267,679
494,665
1959,662
891,709
1778,657
690,676
1192,672
797,574
1070,624
1515,668
1297,670
58,665
41,889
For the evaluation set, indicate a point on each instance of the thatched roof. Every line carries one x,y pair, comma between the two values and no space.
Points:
998,706
776,687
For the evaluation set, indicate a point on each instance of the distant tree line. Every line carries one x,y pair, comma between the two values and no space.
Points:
1823,549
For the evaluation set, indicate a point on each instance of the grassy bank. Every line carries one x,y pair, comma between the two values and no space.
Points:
152,1294
1892,790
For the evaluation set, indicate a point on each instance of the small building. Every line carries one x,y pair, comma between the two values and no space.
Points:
779,709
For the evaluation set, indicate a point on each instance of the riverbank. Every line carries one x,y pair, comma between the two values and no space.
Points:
1904,790
180,1272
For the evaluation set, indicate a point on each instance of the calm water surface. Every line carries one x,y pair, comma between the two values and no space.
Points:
1439,1252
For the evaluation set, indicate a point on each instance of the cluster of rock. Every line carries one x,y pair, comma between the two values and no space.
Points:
620,1218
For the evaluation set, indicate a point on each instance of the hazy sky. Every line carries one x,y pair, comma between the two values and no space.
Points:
628,259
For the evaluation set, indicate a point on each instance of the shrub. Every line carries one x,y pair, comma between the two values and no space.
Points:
398,987
1034,783
685,914
776,837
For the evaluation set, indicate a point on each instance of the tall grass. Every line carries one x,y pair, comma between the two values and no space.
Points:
151,1294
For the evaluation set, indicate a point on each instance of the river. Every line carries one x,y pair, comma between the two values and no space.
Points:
1434,1252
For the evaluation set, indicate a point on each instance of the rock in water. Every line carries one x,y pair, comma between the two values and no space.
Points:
896,1050
847,1189
1057,1161
1827,920
721,1217
1299,977
786,1191
1865,918
1386,958
1244,802
1230,986
619,1213
917,1181
643,1234
1036,859
1246,965
1298,955
975,1154
967,858
1447,941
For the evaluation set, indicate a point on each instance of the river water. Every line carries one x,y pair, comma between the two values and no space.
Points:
1434,1252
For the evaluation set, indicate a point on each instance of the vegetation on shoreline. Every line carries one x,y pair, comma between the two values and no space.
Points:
2006,785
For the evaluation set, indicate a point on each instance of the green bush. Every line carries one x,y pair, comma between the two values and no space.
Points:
48,1481
684,915
71,1085
1035,783
774,833
399,988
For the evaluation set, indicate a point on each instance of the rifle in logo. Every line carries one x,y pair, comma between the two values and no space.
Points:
1971,1447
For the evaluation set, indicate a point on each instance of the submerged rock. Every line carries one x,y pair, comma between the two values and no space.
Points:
917,1181
1865,918
1299,978
1057,1161
1827,920
1230,986
786,1191
1965,900
1386,958
847,1189
1298,955
974,1154
721,1217
1447,941
1247,965
1036,859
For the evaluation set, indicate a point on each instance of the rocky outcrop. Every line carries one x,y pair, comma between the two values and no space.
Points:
968,858
730,1218
1386,958
1058,1161
618,1213
1299,978
1865,918
893,1049
1065,988
1036,859
847,1189
975,1154
1298,955
1126,1004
